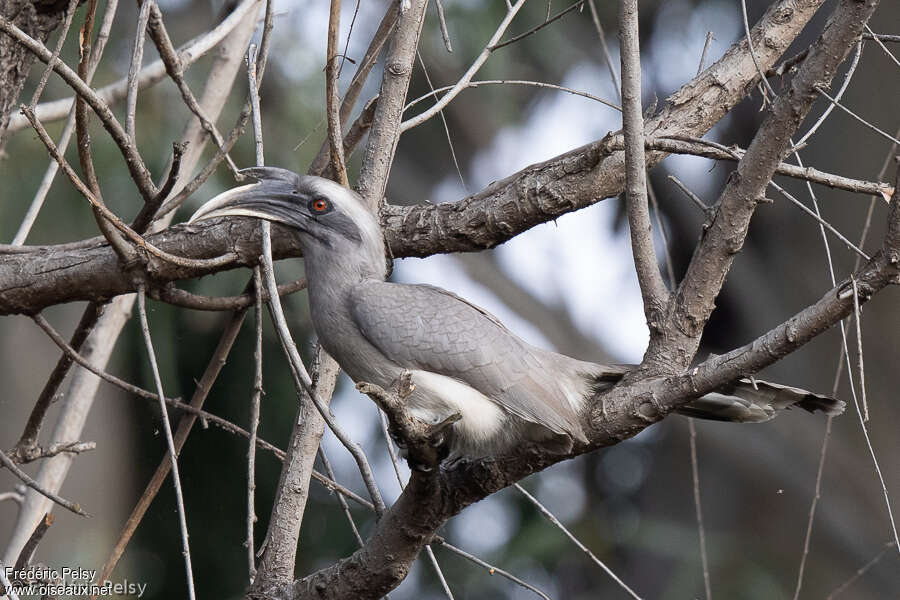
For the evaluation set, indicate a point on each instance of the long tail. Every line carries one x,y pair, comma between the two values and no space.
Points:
746,401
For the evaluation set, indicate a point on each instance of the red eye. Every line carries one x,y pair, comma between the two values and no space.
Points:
320,205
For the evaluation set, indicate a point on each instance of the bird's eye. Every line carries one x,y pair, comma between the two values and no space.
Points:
319,206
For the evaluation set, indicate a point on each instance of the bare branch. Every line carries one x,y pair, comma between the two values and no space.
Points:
653,288
133,160
137,57
469,74
149,75
24,478
696,295
335,135
170,442
552,518
386,127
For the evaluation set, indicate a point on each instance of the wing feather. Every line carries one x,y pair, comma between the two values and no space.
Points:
426,327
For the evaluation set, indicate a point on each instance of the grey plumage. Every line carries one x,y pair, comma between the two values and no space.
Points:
462,359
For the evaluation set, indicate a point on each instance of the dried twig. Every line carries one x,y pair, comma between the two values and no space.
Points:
547,21
552,518
335,136
469,74
653,288
170,442
254,425
137,57
538,84
861,571
133,160
178,297
24,478
175,70
213,368
153,73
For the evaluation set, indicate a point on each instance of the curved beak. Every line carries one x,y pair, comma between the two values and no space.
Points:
272,198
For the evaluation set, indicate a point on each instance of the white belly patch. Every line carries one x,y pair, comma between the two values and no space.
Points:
438,396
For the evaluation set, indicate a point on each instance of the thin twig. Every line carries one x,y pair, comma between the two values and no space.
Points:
698,508
254,423
653,288
340,498
208,169
301,377
607,58
24,478
709,39
344,57
817,494
178,297
693,146
462,179
170,440
820,220
111,217
860,571
539,84
534,30
859,350
837,97
175,70
137,57
385,27
492,569
45,76
469,74
55,448
693,197
881,45
762,76
880,132
27,552
552,518
443,23
253,87
657,214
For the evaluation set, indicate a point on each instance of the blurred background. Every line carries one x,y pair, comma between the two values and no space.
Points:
567,285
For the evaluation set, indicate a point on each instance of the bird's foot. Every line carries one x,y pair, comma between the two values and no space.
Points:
423,444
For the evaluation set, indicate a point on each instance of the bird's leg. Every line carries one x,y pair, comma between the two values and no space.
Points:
424,443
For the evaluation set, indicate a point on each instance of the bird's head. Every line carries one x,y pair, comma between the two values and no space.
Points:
332,221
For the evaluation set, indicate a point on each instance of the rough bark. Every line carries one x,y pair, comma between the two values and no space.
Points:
38,19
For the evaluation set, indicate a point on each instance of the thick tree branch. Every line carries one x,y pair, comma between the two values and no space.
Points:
385,132
695,299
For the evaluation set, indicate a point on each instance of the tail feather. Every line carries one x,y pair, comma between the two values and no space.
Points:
746,401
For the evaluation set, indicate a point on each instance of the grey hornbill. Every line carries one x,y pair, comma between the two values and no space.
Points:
461,358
